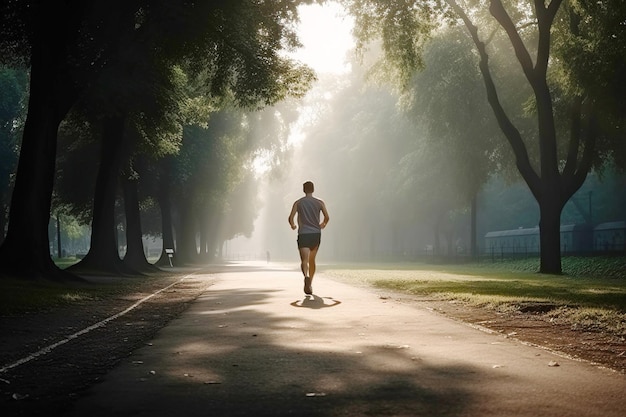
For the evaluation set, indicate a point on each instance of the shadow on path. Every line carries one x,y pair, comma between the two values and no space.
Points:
315,302
242,349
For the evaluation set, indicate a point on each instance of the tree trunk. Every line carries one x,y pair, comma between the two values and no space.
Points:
186,246
203,224
135,256
25,251
165,204
103,256
59,250
210,236
4,208
550,234
436,248
546,186
473,232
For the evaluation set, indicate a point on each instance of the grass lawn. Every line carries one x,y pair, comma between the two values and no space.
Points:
591,293
18,296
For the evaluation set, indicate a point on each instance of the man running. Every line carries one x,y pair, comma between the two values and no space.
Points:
309,231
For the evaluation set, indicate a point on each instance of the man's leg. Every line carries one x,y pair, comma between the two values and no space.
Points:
312,265
308,280
304,261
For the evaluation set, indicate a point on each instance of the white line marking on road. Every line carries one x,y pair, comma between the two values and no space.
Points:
50,348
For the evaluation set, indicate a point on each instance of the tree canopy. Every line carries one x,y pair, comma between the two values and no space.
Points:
124,59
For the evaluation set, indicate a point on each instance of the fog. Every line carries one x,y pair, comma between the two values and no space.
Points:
394,191
400,173
350,140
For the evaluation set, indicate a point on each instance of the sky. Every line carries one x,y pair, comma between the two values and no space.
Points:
325,32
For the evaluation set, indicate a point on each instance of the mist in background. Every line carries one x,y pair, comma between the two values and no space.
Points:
361,150
401,174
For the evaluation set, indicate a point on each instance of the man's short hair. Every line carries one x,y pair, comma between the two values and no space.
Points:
308,187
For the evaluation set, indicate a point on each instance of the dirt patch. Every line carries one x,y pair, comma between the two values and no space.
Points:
531,325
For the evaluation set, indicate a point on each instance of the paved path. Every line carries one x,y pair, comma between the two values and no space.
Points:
253,345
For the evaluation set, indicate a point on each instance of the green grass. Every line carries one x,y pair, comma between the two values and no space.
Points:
598,288
65,262
18,296
591,293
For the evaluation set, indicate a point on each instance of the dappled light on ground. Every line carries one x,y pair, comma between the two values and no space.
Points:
245,345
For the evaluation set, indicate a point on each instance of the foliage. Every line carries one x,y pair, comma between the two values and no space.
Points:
590,45
13,93
403,30
132,61
447,99
568,128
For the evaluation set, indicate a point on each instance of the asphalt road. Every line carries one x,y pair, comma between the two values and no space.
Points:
254,345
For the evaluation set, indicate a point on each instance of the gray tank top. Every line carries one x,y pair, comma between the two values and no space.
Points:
309,209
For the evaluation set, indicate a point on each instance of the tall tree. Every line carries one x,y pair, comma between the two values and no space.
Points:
65,44
235,53
528,26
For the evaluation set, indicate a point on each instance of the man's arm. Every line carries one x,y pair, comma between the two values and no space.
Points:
294,210
326,216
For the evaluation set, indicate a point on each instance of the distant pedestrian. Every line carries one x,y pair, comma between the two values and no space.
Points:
308,209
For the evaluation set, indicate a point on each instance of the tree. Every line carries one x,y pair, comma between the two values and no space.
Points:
207,169
137,106
62,63
235,43
565,151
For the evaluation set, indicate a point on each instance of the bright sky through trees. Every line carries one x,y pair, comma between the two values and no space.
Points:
325,33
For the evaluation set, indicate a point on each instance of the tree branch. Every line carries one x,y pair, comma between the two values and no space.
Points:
545,18
497,11
574,142
510,131
574,182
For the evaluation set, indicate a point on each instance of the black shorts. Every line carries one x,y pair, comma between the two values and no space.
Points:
309,240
